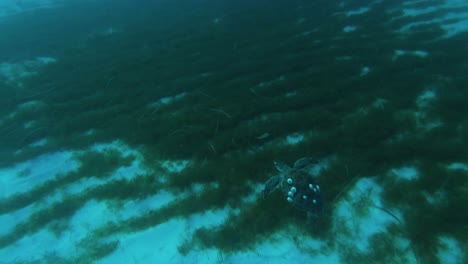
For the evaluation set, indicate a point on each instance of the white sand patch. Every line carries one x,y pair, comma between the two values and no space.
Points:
116,145
110,31
379,103
263,136
26,175
153,244
358,216
458,166
437,198
455,28
209,218
44,242
197,187
174,166
10,220
26,107
128,172
77,187
166,101
364,71
29,124
90,132
290,94
160,243
408,173
323,164
425,122
93,215
423,103
85,184
453,21
426,98
200,187
348,29
283,248
416,53
356,12
419,11
405,251
344,58
410,27
255,194
450,251
134,208
96,214
269,83
294,139
147,246
39,143
38,245
30,106
14,7
13,72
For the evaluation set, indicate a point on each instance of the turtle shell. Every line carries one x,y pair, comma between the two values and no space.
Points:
302,191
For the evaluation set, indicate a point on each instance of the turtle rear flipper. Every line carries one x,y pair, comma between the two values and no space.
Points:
304,162
271,185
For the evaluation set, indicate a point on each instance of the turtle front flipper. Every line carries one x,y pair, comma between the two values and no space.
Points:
271,185
304,162
281,166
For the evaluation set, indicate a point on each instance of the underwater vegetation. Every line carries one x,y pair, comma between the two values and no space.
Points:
230,99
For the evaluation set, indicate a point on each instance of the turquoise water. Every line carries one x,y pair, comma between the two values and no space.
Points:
144,133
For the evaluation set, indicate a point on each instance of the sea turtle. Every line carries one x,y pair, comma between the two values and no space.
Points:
300,187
